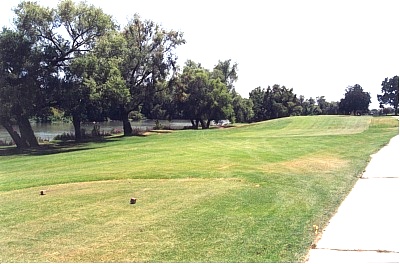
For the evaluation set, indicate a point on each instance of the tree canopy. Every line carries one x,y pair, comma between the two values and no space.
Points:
274,102
355,100
20,85
49,40
390,93
203,95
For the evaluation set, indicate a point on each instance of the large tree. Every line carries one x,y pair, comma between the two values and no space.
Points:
21,86
390,93
149,61
228,73
355,100
64,34
98,75
202,95
274,102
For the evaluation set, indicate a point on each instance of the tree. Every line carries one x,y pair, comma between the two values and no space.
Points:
274,102
21,88
322,104
283,102
146,64
257,98
202,95
310,106
355,100
98,73
332,108
327,108
390,93
64,34
242,108
227,73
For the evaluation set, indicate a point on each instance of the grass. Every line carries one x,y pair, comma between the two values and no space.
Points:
244,194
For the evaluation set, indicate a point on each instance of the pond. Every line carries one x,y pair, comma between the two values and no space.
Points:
47,131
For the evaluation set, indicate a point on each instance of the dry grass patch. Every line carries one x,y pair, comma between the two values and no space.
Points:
95,222
313,163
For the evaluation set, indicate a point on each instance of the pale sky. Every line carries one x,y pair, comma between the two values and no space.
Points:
316,47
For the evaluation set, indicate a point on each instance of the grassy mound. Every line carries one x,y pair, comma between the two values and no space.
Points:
244,194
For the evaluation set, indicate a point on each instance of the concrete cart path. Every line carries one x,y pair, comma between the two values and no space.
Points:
366,228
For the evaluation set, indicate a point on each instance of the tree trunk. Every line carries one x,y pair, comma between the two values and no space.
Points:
203,124
26,131
126,124
76,121
14,135
208,123
195,123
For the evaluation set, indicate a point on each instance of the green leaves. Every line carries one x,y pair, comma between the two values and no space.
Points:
204,96
34,20
355,99
83,23
274,102
390,93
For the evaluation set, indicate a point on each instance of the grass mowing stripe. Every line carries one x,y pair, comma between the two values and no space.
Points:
243,194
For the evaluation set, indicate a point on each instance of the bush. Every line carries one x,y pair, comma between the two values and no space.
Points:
158,125
116,131
65,136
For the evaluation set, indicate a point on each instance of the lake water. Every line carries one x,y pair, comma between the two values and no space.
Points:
48,131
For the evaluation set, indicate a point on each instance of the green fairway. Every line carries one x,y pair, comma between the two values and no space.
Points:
249,193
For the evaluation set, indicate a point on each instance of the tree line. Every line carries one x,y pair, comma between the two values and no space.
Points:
76,60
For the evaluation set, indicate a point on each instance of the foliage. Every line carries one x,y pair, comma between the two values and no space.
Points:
21,87
73,59
147,63
227,73
309,106
62,34
327,108
274,103
242,108
88,64
202,95
98,72
81,22
95,133
390,93
355,100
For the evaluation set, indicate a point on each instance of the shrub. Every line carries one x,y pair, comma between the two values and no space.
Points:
116,131
65,136
158,125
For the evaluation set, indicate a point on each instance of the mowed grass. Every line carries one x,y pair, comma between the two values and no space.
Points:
245,194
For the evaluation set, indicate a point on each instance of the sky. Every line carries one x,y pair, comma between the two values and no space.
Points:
316,47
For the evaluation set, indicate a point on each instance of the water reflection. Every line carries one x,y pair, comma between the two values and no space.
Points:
48,131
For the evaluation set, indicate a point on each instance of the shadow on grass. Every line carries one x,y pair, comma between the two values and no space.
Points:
56,148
